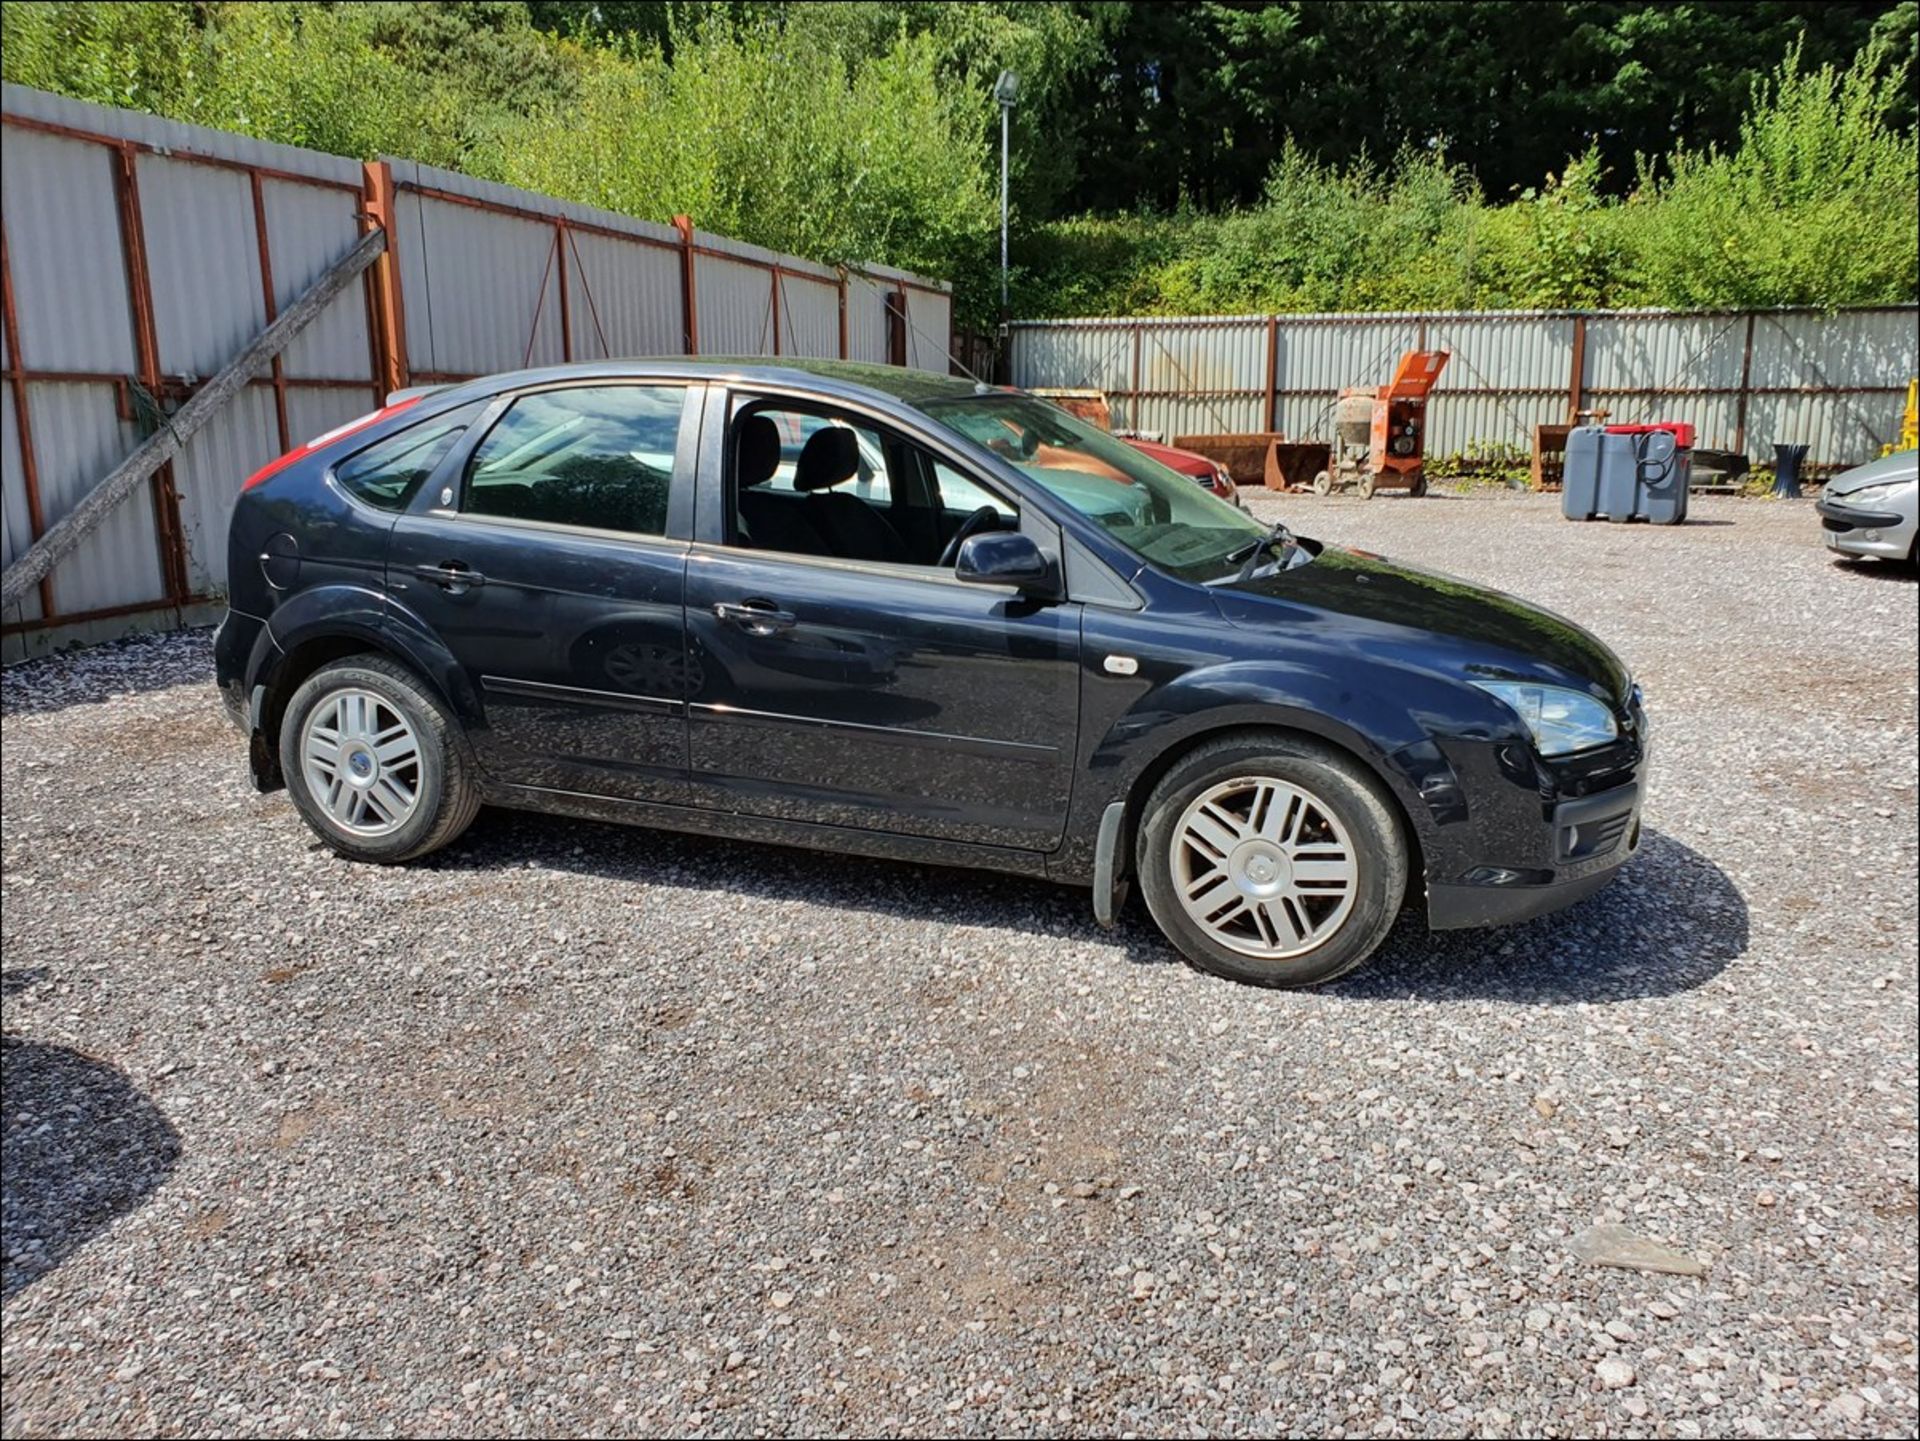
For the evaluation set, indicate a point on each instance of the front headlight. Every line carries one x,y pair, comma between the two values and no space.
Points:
1873,494
1562,721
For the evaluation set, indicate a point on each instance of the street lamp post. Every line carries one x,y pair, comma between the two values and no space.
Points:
1005,91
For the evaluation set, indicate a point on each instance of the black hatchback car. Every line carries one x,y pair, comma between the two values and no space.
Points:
877,611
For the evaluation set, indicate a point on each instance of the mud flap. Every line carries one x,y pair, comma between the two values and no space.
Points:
263,762
1109,885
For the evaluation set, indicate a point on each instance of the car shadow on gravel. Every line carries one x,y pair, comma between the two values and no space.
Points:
1887,570
1671,921
81,1145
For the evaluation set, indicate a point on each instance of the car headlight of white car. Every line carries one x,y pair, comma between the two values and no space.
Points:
1874,494
1562,721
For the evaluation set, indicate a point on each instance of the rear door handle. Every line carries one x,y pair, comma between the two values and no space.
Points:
755,617
453,576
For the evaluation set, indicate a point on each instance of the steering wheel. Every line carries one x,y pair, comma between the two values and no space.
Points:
985,518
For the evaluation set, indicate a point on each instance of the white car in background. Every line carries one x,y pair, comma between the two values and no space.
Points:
1872,509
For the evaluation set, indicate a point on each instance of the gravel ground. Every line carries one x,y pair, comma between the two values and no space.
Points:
581,1129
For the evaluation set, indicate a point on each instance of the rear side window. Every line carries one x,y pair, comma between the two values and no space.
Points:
593,456
387,474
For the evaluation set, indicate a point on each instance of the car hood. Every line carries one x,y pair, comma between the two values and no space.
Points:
1422,617
1902,465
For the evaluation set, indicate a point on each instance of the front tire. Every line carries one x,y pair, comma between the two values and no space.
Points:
375,763
1272,860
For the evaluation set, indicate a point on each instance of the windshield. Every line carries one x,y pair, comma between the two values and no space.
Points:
1158,514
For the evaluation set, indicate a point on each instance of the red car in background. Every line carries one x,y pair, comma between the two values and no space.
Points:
1209,473
1091,406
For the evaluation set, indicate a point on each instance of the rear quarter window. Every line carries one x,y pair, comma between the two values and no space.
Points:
388,473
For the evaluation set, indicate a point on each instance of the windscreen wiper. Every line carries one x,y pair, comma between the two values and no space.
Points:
1249,554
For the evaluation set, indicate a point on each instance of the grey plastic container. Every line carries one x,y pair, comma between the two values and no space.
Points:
1615,476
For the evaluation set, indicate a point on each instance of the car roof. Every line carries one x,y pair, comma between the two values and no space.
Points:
846,378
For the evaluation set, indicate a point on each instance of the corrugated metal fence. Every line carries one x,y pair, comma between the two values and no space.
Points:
139,255
1835,382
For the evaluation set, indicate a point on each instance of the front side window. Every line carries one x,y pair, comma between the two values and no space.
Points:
387,474
830,485
594,456
1160,515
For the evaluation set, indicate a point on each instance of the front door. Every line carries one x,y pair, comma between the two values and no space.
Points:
543,563
840,674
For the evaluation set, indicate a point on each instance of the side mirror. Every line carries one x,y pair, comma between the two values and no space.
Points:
1006,557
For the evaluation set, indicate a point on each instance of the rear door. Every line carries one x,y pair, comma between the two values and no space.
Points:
544,556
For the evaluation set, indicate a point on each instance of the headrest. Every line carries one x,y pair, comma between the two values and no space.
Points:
831,455
758,455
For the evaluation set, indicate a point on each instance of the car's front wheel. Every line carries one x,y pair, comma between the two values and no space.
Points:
375,762
1272,860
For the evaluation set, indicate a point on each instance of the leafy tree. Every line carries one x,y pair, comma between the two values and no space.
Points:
1197,100
1816,204
1222,155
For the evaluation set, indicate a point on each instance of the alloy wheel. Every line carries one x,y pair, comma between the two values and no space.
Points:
1264,867
361,761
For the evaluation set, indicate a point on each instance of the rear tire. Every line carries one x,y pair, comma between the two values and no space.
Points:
1419,486
375,763
1239,893
1367,487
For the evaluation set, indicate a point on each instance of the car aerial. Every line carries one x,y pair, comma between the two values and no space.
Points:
609,591
1874,509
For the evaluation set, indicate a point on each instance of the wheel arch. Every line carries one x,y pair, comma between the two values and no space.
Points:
296,653
1169,756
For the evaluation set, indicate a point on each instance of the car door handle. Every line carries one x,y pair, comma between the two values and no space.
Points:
755,617
452,576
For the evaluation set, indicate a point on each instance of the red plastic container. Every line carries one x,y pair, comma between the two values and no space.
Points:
1682,431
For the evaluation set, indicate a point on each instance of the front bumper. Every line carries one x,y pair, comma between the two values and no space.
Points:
1459,907
1591,838
1864,532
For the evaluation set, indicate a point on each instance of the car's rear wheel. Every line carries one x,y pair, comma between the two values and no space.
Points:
375,763
1272,860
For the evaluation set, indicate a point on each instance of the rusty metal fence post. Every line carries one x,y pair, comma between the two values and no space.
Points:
689,287
1746,386
1577,370
896,301
146,341
391,370
843,311
22,425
